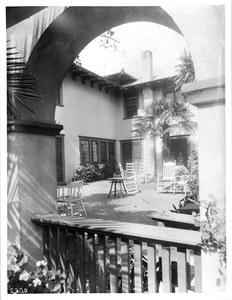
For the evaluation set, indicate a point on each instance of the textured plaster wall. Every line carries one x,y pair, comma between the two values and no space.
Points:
31,189
211,125
86,112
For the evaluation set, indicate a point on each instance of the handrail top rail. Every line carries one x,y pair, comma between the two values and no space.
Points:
149,233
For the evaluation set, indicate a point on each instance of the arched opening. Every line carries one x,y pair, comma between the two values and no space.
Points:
68,34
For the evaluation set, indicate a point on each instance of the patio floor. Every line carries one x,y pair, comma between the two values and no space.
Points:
133,208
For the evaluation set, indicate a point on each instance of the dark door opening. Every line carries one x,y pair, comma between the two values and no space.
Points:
131,152
178,150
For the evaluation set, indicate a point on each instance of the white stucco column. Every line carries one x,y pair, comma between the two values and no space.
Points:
31,183
209,97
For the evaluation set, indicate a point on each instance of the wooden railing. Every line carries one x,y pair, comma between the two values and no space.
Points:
108,256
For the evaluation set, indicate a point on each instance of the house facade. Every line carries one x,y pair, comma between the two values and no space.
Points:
100,116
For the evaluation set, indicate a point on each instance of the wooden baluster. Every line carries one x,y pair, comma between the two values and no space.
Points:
46,252
138,267
63,254
182,270
53,247
166,270
81,260
198,271
73,276
113,265
125,267
102,263
92,262
152,278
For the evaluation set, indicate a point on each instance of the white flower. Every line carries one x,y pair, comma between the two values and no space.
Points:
36,282
13,268
24,276
45,272
41,263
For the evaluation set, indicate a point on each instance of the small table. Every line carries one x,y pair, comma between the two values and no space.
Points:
113,187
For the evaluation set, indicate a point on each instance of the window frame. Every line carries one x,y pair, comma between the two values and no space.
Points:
125,99
98,141
89,151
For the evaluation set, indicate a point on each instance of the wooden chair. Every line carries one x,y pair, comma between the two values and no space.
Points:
165,181
130,169
69,199
145,174
130,182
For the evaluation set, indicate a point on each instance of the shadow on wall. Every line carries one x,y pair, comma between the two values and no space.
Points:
27,197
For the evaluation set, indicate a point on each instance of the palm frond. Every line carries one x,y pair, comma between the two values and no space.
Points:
22,84
185,70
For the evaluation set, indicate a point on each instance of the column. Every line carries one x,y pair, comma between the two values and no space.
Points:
31,182
209,97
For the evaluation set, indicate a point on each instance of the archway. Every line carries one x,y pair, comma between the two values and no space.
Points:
50,60
68,34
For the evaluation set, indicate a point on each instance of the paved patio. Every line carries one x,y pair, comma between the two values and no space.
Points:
134,208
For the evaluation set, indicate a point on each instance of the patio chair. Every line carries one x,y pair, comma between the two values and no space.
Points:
130,182
130,169
165,181
144,173
69,199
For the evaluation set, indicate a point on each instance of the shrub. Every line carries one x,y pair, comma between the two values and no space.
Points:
92,172
20,281
87,173
109,169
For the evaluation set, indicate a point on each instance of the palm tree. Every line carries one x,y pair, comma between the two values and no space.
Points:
22,84
185,70
161,118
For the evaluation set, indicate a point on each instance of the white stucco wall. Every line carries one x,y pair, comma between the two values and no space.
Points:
86,112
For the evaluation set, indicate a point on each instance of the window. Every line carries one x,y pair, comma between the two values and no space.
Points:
103,151
85,157
130,106
111,146
171,95
95,150
60,159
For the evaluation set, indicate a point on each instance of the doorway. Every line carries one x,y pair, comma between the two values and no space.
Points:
131,152
178,150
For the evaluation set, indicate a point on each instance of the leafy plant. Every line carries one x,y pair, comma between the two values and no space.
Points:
20,281
22,84
213,228
185,70
109,169
161,118
88,173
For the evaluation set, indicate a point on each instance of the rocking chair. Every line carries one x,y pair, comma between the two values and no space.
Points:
166,180
130,182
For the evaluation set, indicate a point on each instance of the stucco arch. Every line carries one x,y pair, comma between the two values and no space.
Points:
67,35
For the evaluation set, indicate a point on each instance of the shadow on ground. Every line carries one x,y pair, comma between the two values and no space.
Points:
133,208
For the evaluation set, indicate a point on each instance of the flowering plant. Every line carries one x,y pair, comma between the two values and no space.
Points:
21,281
